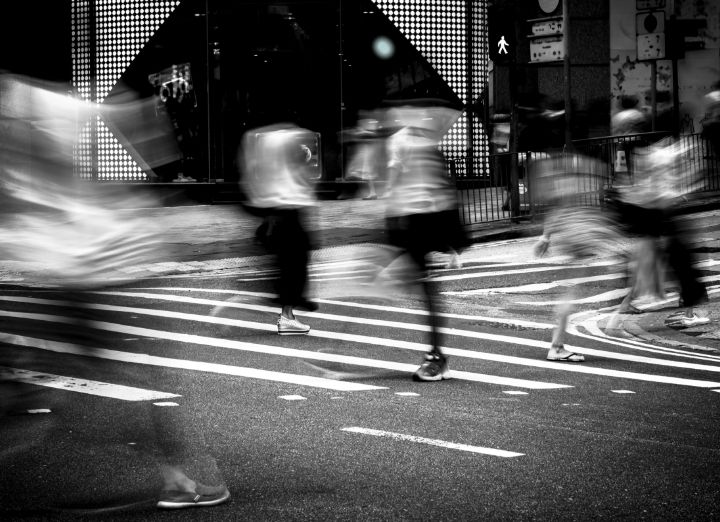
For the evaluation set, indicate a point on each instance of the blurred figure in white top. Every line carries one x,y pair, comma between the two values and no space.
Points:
422,209
275,180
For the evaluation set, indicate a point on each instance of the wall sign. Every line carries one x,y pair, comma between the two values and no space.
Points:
644,5
548,6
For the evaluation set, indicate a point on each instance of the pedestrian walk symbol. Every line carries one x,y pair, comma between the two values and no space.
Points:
503,45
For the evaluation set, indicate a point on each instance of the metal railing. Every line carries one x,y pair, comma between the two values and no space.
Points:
486,199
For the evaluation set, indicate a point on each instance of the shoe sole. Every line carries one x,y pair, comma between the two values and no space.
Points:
166,504
303,332
439,377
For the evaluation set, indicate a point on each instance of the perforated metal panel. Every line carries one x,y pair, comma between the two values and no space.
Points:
443,31
107,35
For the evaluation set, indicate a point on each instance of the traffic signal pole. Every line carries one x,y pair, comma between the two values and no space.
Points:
566,74
514,174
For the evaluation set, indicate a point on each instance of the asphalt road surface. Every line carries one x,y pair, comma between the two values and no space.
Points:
330,426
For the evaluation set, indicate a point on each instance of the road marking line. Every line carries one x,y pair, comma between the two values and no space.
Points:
365,306
434,442
515,392
599,298
397,344
596,334
496,273
274,350
292,397
612,295
392,324
622,391
73,384
537,287
151,360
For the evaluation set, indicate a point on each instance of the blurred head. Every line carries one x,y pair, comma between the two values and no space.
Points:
628,101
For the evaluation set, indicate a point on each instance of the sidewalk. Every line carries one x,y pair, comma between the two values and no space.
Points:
651,327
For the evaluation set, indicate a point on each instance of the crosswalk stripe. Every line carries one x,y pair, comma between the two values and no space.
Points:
407,345
536,287
166,362
531,270
367,306
74,384
375,340
277,350
588,321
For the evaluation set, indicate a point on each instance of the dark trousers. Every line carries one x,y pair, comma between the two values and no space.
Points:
418,235
290,242
661,223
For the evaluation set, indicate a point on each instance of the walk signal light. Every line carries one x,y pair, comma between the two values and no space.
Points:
502,41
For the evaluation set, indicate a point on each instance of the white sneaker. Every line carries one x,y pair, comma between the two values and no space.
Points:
686,322
291,327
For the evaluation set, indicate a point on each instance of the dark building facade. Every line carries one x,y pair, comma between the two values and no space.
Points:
217,68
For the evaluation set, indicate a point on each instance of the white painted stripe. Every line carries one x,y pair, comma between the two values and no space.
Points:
276,350
496,273
363,306
397,344
386,342
151,360
74,384
515,392
274,310
292,397
537,287
612,295
564,266
590,324
623,392
379,341
434,442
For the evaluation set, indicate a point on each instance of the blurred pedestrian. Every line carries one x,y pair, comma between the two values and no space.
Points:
574,226
84,240
646,209
275,181
366,157
422,209
629,119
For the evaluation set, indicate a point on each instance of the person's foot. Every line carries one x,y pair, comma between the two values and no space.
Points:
291,326
370,196
202,496
435,368
684,321
454,263
560,354
629,309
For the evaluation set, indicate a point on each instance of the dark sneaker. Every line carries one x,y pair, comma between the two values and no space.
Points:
435,368
211,496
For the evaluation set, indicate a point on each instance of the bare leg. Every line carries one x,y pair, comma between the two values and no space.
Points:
557,349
